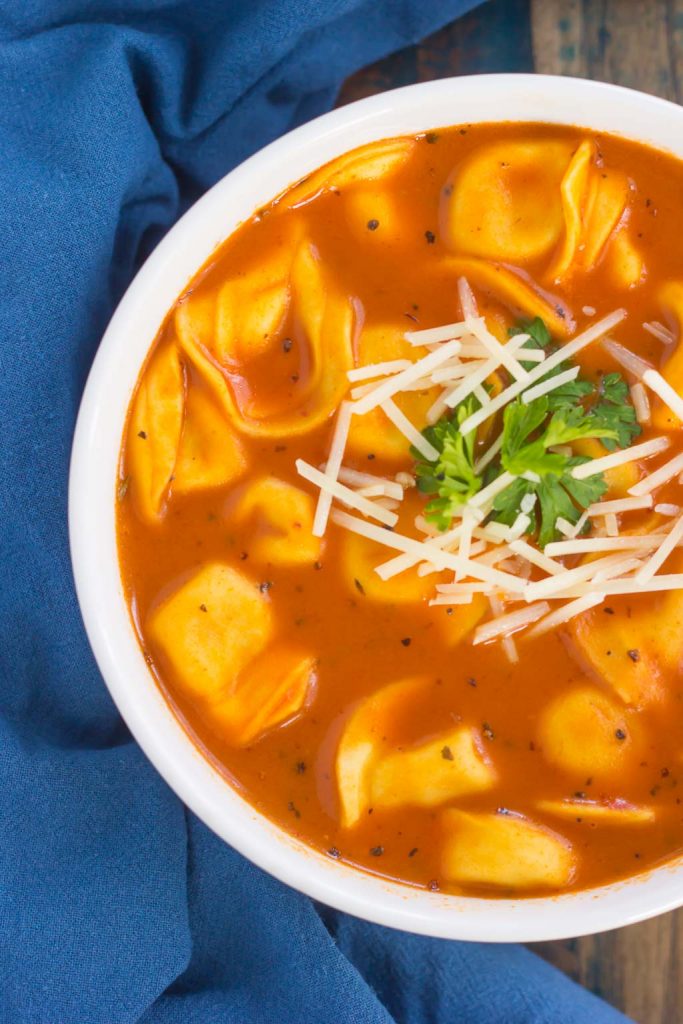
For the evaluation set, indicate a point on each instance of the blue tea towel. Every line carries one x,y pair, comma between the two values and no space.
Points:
116,905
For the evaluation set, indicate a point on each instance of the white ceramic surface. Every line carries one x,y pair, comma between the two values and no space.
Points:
93,482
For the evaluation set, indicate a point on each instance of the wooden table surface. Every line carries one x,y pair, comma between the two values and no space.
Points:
637,43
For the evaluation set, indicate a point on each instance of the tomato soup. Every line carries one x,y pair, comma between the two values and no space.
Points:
400,509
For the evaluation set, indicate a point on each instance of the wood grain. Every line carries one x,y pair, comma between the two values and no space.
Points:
636,43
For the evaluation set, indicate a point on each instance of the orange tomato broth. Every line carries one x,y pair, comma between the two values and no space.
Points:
403,278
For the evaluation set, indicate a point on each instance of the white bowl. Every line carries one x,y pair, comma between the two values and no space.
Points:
93,482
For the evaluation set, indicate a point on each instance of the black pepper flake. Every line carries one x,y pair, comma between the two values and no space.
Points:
634,654
620,735
334,852
608,611
463,131
376,851
580,795
318,566
142,434
371,455
359,587
280,448
373,224
244,556
431,138
447,190
447,754
471,681
488,731
431,237
265,586
433,885
411,853
449,611
406,641
203,608
664,773
294,378
287,345
300,767
412,317
291,806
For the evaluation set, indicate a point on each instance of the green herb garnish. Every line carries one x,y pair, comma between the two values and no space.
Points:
576,410
452,477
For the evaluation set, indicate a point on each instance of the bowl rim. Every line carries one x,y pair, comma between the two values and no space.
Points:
599,107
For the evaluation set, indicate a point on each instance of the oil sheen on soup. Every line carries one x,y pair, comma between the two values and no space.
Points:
400,509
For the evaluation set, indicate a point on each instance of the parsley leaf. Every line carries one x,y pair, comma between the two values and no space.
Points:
526,448
615,411
452,477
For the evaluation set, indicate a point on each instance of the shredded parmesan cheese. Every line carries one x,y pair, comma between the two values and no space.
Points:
334,461
538,558
611,525
620,569
621,458
487,494
510,623
378,369
663,390
489,455
468,303
546,386
565,580
586,545
665,509
660,476
508,643
345,494
499,352
660,332
565,613
641,403
436,335
671,540
603,508
402,423
354,478
629,360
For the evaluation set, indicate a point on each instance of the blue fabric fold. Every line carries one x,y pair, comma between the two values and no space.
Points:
116,906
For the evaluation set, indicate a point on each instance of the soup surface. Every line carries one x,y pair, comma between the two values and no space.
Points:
418,595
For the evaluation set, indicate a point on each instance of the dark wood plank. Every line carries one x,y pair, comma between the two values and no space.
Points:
637,43
494,37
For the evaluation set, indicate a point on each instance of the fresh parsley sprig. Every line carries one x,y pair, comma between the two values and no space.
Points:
451,478
531,434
